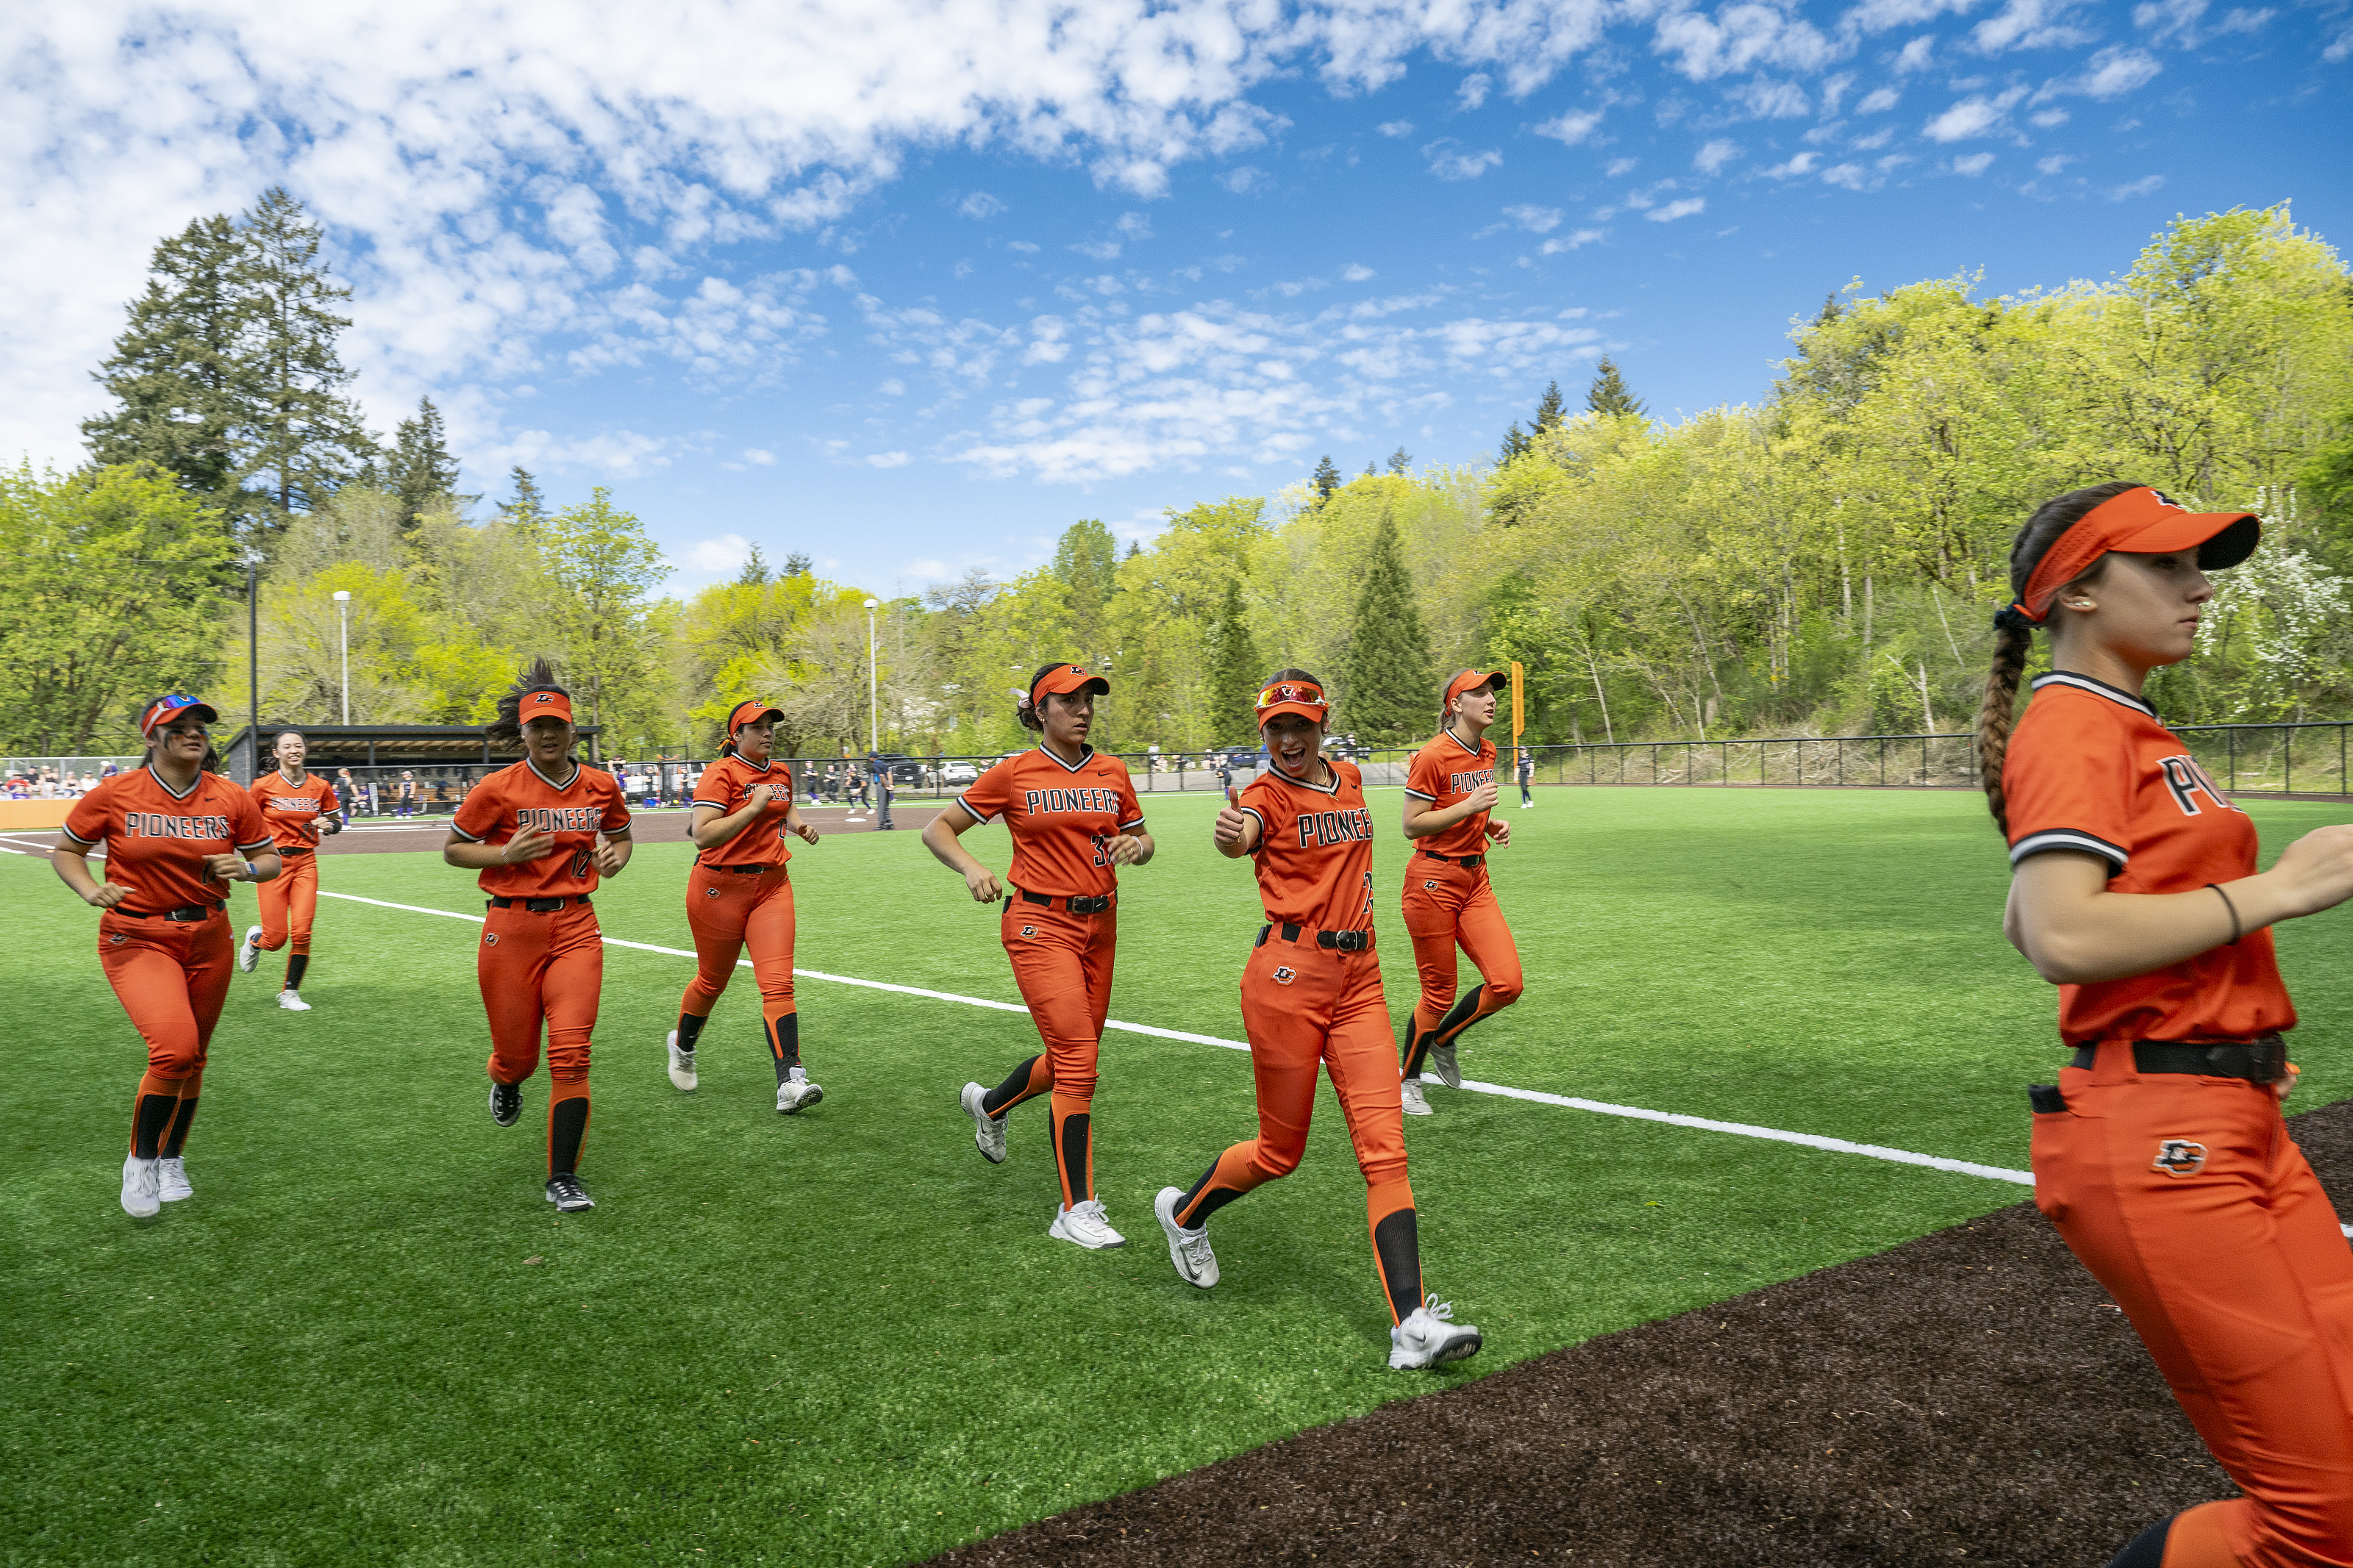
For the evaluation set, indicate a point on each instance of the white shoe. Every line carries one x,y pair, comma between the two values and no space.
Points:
1431,1336
1188,1249
1085,1225
987,1131
292,1002
140,1182
171,1179
1416,1102
248,951
1443,1063
682,1067
797,1093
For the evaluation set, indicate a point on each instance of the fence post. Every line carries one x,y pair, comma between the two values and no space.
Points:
2233,734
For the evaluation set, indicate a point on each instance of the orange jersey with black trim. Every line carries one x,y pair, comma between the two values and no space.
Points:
1443,772
2091,769
156,841
575,812
727,783
1062,817
1315,851
293,811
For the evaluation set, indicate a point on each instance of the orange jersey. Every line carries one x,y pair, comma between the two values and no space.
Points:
293,811
520,797
726,784
156,841
1062,818
1314,850
1443,772
2091,769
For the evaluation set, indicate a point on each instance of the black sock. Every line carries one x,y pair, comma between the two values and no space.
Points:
1015,1085
1396,1243
150,1121
1217,1198
785,1043
296,962
567,1124
1416,1045
1458,1018
2146,1550
1072,1157
178,1139
689,1029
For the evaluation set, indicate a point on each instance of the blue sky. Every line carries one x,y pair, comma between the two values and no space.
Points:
911,287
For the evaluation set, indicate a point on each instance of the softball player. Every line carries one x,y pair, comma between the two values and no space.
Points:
299,806
176,837
542,833
1310,992
1450,798
2160,1155
1074,820
738,894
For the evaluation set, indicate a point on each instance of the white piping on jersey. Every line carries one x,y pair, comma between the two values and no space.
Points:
1331,788
2116,695
149,768
1089,756
1478,751
567,784
2068,838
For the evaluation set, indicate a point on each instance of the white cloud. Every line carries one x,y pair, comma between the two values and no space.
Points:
1853,176
1715,156
1357,272
1024,246
2030,24
2111,73
1881,15
1395,128
1473,91
1561,242
1450,160
2049,118
888,460
1741,38
759,457
1245,179
894,387
1674,210
1972,116
1973,165
724,553
1571,126
1620,167
1878,101
2184,21
979,204
2142,186
1803,163
1535,219
1770,99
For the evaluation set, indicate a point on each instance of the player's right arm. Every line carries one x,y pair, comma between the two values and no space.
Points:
1423,816
531,844
714,827
940,839
1237,831
72,859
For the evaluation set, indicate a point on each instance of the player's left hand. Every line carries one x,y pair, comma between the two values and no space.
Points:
2286,1086
329,826
226,867
1499,833
1127,849
809,835
607,856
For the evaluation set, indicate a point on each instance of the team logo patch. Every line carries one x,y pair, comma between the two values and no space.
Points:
1285,974
2179,1157
490,939
1029,931
116,937
710,892
1429,887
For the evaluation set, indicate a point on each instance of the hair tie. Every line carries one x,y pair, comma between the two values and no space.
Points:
2013,619
1021,698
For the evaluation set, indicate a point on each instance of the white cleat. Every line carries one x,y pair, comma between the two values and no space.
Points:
1416,1102
140,1184
171,1179
248,951
1431,1336
987,1131
797,1093
1443,1063
681,1067
1188,1249
292,1002
1084,1224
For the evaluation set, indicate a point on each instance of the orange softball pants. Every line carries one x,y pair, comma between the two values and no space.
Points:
545,969
171,979
2228,1259
1305,1005
1446,904
728,911
290,902
1062,963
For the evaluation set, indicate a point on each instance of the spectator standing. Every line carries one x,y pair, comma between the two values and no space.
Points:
1527,770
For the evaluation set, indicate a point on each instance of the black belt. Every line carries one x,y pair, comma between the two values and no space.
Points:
182,915
539,906
1339,940
748,871
285,849
2260,1060
1085,905
1468,862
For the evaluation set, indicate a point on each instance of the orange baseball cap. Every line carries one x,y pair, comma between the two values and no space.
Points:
1064,678
751,713
1303,698
545,705
1471,680
2141,522
164,708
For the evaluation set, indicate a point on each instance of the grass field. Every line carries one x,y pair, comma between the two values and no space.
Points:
843,1338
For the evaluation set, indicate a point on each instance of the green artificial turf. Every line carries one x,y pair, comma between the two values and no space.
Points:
843,1338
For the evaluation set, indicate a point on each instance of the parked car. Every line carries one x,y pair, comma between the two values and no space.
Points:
958,772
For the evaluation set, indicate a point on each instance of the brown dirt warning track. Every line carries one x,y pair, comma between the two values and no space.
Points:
1969,1398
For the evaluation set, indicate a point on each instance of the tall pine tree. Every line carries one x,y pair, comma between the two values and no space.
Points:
1386,695
1400,461
1326,478
1607,394
1515,441
1551,411
423,472
1233,669
798,564
307,440
754,574
528,507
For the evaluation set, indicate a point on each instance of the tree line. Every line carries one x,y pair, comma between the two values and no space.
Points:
1825,561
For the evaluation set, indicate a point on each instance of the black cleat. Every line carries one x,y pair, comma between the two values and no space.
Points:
506,1103
565,1191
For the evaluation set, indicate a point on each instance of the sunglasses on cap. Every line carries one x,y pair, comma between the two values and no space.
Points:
164,708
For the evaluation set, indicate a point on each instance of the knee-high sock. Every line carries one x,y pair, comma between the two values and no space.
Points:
176,1139
297,962
1074,1147
1468,1009
1229,1177
1032,1077
784,1031
567,1120
1397,1245
151,1114
689,1029
1416,1045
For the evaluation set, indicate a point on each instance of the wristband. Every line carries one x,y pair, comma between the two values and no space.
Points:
2227,904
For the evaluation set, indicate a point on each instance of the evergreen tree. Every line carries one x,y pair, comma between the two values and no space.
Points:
1515,441
1233,671
1386,694
1399,460
1370,470
306,440
798,564
1607,394
1086,561
528,507
423,472
1327,480
1552,412
754,574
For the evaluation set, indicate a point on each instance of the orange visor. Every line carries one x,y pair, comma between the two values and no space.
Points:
1299,697
2141,522
1471,680
545,705
1064,678
751,713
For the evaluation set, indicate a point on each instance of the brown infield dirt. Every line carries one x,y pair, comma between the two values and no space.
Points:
1972,1396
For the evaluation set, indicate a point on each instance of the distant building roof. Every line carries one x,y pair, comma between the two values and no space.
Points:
380,745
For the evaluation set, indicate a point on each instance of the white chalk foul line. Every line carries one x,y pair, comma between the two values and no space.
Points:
1571,1102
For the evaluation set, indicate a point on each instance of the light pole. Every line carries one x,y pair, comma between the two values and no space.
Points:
344,637
873,706
253,667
